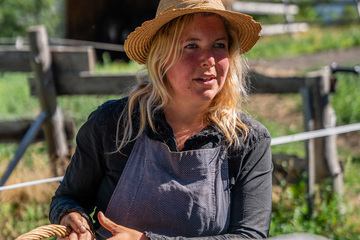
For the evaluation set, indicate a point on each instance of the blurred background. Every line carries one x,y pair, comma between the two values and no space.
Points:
298,38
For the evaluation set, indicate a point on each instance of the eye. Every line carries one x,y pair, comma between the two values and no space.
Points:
191,46
220,45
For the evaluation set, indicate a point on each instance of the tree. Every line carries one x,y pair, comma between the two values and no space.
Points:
17,15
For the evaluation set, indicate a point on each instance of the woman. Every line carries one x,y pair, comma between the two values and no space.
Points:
176,159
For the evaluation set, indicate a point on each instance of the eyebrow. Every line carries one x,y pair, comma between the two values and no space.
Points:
198,39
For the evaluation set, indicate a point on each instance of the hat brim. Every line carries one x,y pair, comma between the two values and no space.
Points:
138,43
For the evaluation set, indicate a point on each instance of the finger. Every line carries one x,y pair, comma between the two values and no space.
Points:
107,223
86,236
77,222
73,236
80,236
78,227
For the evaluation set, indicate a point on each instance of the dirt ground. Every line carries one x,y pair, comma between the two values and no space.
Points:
301,64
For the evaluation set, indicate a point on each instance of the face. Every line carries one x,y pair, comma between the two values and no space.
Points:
200,72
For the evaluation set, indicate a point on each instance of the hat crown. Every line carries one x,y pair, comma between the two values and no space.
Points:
138,43
168,5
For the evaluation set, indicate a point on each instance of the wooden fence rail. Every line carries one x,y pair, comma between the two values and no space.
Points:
69,71
268,8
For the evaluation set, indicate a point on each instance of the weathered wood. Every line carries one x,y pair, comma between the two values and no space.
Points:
87,83
72,59
318,96
284,8
14,131
323,116
289,16
264,8
331,153
328,120
14,60
284,28
260,83
65,59
41,62
309,146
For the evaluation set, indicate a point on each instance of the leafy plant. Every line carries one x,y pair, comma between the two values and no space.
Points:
17,15
16,219
291,213
346,101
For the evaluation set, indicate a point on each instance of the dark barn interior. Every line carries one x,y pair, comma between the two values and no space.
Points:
106,21
109,21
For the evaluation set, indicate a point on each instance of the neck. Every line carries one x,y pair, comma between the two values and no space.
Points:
185,123
185,116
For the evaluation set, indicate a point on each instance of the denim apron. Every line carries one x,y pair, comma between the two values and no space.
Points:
172,193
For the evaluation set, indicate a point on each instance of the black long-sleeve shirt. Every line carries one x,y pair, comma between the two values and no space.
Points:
95,170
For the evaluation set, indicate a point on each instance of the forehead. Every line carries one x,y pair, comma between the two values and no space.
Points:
204,23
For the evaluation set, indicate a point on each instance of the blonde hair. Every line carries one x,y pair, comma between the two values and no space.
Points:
152,96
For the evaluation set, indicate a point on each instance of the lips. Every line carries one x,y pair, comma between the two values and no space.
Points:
205,79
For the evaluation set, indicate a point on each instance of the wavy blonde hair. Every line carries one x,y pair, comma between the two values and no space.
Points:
152,95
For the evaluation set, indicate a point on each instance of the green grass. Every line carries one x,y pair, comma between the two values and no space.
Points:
15,97
317,39
290,213
17,218
346,101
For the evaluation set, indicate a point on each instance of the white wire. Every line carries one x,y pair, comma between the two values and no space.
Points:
26,184
275,141
315,134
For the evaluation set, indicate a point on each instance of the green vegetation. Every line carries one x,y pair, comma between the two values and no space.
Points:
18,104
346,101
18,218
17,15
317,39
291,213
24,209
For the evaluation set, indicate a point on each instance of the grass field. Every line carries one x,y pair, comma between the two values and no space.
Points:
26,208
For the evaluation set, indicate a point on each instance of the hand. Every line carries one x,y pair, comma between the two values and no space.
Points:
120,232
79,225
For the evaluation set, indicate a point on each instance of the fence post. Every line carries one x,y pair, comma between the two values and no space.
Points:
357,2
309,144
41,63
319,114
289,18
330,147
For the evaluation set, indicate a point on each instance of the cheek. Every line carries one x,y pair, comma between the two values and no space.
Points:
223,66
188,63
181,69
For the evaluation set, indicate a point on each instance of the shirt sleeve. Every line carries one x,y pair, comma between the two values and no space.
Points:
252,194
78,190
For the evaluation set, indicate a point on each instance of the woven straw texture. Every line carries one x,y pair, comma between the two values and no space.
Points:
138,42
46,231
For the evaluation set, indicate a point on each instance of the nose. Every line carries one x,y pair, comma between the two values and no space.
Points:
208,60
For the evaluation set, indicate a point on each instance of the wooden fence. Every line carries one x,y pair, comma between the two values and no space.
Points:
289,9
69,71
268,8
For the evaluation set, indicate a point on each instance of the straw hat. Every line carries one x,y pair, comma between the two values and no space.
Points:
138,43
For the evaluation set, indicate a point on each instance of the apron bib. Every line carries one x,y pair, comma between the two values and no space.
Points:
172,193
